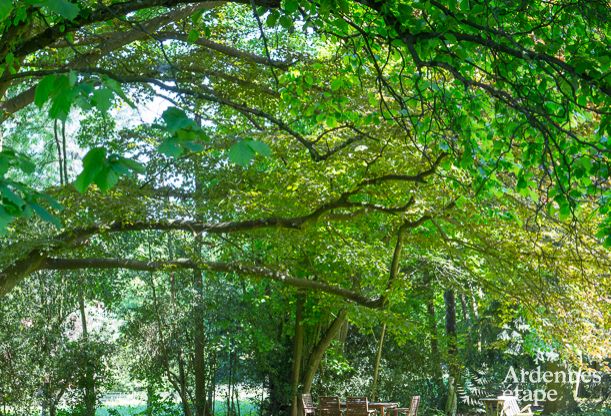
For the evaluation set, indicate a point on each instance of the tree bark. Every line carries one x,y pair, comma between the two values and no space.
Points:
320,348
376,369
450,302
297,354
199,345
238,268
432,320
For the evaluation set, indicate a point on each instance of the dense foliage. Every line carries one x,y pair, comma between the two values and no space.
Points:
381,198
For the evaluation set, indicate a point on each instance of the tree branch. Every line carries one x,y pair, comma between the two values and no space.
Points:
237,268
227,50
107,12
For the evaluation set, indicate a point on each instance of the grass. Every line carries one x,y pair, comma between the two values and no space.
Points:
247,408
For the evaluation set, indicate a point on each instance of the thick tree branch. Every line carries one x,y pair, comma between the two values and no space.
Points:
108,12
237,268
11,275
109,43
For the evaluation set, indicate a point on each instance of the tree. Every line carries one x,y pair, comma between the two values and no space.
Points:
317,146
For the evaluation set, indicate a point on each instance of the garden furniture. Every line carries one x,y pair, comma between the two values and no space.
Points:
412,410
308,404
329,406
358,406
511,408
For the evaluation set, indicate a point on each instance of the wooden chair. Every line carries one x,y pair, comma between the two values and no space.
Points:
308,405
491,406
412,410
510,407
329,406
358,406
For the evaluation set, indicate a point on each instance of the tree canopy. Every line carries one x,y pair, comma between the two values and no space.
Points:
334,147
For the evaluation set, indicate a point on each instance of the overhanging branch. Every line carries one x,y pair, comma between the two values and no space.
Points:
237,268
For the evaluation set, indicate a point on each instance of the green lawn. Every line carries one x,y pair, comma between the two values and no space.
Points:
247,408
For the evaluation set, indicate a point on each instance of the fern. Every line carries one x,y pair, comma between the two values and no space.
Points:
476,385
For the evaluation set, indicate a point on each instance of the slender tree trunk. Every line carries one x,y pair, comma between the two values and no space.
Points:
199,345
434,339
297,354
319,350
435,370
471,330
60,163
211,384
182,376
229,384
179,383
199,336
46,400
376,368
463,308
236,394
450,302
150,396
478,327
89,385
64,154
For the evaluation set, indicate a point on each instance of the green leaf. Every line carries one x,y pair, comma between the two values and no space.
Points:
241,153
93,163
193,36
170,147
260,147
5,9
62,95
102,99
291,6
116,88
286,22
45,215
12,196
132,165
26,165
336,84
194,146
60,108
176,119
44,89
106,179
5,220
64,8
272,18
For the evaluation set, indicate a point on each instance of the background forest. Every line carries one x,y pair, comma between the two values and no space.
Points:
212,207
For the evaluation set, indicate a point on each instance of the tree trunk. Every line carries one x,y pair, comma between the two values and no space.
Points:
211,384
376,368
199,345
476,324
320,348
182,377
450,302
199,335
297,354
89,398
434,340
